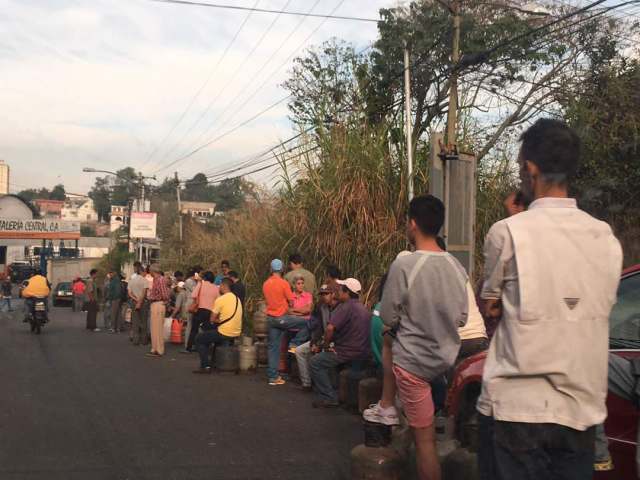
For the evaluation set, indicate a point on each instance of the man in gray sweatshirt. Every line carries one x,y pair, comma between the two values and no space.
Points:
425,301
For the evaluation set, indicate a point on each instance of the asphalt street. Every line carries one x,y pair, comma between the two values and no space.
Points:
81,405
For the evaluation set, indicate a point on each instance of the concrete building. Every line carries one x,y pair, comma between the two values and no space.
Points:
4,178
200,211
79,209
23,235
119,217
49,208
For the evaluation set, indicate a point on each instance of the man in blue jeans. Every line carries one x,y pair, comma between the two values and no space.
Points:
346,339
279,298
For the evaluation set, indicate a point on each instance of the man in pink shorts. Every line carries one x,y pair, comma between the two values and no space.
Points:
424,303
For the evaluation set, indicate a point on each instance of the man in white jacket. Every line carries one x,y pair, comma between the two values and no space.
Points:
551,273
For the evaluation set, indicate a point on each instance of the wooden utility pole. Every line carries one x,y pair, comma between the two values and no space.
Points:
452,113
179,211
407,122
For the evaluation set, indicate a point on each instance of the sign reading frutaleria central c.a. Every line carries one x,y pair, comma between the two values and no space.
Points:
46,229
143,225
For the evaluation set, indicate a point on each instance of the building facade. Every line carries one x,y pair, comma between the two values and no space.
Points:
49,208
4,178
79,209
199,211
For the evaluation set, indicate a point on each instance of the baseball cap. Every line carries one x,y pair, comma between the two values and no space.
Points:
324,288
181,284
351,283
276,265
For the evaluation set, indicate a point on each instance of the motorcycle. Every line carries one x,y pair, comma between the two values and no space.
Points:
38,316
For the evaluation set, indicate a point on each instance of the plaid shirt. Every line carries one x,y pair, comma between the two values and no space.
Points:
159,291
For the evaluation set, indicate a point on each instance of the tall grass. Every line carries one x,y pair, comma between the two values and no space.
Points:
342,203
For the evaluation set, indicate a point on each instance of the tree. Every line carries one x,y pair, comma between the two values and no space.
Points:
114,190
100,193
327,83
58,193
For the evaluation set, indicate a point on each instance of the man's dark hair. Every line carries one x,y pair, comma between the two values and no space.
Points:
234,274
228,282
295,258
428,213
137,264
208,276
351,294
225,263
554,147
334,272
193,270
93,271
178,274
441,243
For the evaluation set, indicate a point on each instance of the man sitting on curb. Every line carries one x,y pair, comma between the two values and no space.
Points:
346,339
224,326
317,325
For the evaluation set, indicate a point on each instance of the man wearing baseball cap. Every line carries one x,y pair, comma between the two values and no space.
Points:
346,339
278,297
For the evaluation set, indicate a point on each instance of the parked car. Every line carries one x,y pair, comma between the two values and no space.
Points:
622,422
62,295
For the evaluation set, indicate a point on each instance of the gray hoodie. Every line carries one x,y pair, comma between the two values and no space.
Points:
425,301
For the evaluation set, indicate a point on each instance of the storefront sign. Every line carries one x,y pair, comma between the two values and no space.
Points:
46,229
143,225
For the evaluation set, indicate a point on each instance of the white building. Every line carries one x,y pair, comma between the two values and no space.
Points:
4,178
80,209
200,211
119,217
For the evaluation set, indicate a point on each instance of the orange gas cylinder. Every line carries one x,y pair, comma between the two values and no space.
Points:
176,332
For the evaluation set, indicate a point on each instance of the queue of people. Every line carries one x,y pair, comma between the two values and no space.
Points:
549,282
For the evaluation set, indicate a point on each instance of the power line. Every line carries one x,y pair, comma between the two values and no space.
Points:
265,81
338,5
200,90
228,132
233,76
266,10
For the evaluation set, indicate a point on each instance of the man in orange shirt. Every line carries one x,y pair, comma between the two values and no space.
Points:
278,297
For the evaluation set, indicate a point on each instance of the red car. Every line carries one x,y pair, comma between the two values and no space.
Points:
622,422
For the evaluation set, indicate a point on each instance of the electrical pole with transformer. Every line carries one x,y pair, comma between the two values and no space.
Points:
452,174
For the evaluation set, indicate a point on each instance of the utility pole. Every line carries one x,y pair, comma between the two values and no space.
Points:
452,113
407,122
179,211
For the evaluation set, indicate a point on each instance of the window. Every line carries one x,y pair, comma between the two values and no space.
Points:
625,316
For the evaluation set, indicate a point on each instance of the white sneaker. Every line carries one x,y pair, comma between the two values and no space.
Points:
386,416
96,329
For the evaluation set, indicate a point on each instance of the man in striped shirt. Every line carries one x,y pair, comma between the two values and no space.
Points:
158,297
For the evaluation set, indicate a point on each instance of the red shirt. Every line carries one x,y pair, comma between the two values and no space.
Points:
277,294
159,291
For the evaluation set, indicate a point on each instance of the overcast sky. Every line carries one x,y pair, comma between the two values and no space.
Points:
100,83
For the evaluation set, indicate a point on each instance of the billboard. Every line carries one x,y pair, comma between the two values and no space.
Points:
143,225
47,229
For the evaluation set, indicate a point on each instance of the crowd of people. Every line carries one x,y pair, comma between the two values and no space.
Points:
549,282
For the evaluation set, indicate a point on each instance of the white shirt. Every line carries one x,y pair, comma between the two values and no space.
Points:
556,270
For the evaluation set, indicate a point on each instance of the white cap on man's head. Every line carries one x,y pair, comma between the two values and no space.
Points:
352,284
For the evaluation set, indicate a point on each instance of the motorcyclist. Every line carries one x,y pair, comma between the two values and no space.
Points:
37,287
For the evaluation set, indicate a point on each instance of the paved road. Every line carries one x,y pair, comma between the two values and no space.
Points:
80,405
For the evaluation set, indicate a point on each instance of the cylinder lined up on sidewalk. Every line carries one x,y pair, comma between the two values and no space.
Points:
248,359
227,358
384,463
260,327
